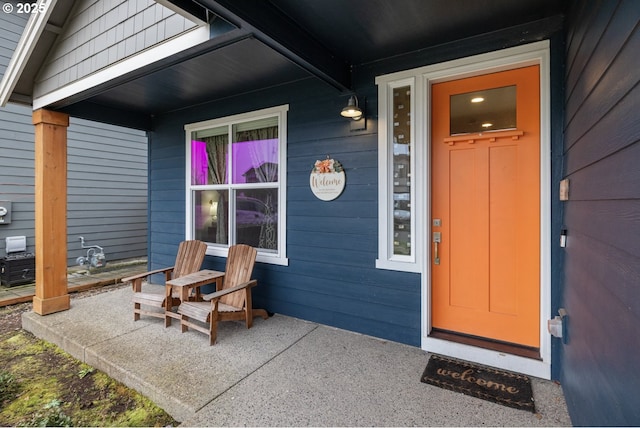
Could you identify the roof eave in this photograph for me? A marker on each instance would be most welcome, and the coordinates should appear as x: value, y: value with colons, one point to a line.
x: 30, y: 36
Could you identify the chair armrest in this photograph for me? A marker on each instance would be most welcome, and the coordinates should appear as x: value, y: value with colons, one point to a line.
x: 146, y: 274
x: 219, y: 294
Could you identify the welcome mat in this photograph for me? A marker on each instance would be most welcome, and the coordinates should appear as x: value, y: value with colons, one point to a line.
x: 509, y: 389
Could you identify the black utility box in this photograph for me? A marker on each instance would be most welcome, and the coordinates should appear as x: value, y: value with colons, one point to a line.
x: 17, y: 269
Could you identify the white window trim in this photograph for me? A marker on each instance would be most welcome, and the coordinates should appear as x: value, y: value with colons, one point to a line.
x: 280, y: 257
x: 520, y: 56
x: 386, y: 257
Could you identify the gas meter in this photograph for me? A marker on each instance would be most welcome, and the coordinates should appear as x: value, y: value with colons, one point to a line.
x: 95, y: 256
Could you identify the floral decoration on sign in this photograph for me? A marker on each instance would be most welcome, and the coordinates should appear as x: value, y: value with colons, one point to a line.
x: 326, y: 166
x: 327, y: 179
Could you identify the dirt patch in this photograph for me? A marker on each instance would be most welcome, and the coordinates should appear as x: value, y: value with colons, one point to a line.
x: 11, y: 317
x: 41, y: 385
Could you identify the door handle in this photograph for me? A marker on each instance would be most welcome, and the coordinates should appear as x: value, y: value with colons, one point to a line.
x: 437, y: 238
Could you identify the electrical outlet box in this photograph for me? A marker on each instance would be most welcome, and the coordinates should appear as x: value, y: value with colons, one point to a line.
x: 555, y: 326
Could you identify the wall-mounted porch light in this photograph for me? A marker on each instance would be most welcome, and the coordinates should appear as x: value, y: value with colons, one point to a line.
x: 353, y: 111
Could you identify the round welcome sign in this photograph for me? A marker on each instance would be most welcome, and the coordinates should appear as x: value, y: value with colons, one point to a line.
x: 327, y: 179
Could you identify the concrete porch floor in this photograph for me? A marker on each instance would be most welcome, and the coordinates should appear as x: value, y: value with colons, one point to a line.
x: 282, y: 372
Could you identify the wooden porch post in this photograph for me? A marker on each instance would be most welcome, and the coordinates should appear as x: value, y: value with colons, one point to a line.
x: 51, y: 211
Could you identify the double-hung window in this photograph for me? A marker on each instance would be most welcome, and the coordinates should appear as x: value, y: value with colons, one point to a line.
x: 236, y: 183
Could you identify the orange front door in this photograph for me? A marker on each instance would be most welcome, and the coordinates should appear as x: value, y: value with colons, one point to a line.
x: 486, y: 206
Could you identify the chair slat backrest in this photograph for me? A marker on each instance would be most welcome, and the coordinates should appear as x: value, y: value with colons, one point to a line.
x: 190, y: 257
x: 238, y: 270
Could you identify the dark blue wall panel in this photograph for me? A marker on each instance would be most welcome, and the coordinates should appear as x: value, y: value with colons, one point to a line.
x: 600, y: 371
x: 332, y: 246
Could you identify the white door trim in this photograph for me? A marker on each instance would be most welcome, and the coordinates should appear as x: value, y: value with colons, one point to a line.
x: 535, y: 53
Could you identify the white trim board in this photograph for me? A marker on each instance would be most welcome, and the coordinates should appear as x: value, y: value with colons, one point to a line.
x: 530, y: 54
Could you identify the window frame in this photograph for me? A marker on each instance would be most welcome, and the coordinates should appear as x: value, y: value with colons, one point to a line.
x: 387, y: 259
x: 221, y: 250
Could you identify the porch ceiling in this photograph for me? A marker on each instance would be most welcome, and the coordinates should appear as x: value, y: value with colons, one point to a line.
x: 244, y: 66
x: 278, y: 41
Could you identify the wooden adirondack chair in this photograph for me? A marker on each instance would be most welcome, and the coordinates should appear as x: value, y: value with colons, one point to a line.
x: 188, y: 260
x: 233, y: 302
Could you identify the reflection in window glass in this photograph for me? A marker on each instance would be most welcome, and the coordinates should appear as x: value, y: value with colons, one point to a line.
x: 257, y: 218
x: 209, y: 157
x: 486, y: 110
x: 402, y: 170
x: 255, y: 151
x: 211, y: 211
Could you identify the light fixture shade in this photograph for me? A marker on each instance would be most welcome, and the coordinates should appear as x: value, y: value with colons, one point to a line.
x: 352, y: 110
x: 213, y: 210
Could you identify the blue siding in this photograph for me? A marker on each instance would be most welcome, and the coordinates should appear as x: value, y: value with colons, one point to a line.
x: 332, y: 246
x: 601, y: 373
x: 557, y: 207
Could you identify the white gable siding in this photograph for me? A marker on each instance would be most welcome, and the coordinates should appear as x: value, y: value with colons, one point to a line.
x: 12, y: 27
x: 103, y: 32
